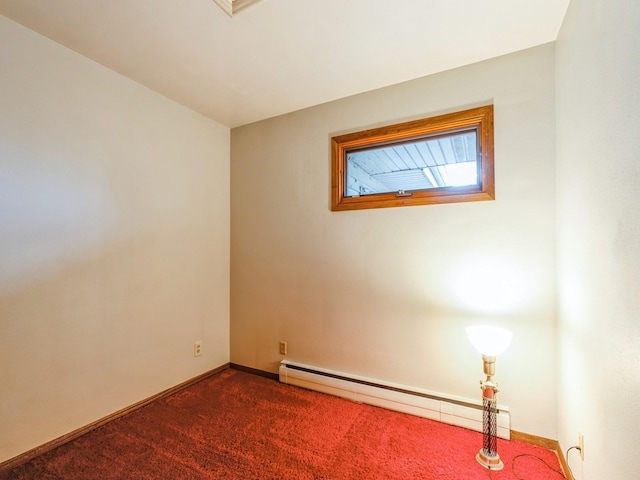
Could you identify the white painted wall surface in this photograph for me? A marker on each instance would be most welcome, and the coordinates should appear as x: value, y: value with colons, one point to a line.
x: 114, y: 241
x: 598, y: 183
x: 387, y: 293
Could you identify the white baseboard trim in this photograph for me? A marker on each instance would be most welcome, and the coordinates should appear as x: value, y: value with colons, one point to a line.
x: 449, y: 409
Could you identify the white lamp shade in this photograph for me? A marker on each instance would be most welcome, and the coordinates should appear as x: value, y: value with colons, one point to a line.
x: 490, y: 341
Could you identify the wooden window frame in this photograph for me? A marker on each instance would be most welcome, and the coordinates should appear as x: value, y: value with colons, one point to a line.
x: 480, y: 118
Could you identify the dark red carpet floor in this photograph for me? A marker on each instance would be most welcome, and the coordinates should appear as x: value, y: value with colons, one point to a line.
x: 235, y: 425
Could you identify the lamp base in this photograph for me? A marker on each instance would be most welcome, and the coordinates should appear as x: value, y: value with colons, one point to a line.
x: 489, y: 460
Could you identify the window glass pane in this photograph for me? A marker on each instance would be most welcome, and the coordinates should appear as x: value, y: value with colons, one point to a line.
x: 442, y: 159
x: 434, y: 162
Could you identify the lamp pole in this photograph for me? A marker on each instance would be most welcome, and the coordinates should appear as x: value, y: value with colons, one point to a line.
x: 490, y: 342
x: 488, y: 455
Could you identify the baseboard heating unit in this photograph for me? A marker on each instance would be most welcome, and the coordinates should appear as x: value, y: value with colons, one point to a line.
x: 444, y: 408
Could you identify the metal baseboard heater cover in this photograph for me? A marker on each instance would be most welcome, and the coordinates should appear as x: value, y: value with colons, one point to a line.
x: 458, y: 411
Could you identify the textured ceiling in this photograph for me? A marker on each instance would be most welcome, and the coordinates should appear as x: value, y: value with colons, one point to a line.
x: 278, y: 56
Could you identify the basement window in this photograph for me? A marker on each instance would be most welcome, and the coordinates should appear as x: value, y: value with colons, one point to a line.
x: 443, y: 159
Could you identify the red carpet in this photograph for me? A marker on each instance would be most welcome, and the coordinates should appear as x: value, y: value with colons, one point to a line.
x: 240, y: 426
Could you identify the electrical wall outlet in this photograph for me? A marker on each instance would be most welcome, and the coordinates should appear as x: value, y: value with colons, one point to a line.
x: 197, y: 348
x: 283, y: 348
x: 581, y: 445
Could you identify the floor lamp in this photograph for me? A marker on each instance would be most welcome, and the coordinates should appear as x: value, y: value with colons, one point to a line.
x: 490, y: 342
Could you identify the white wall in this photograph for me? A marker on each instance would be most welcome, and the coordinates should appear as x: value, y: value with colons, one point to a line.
x: 114, y: 241
x: 598, y: 113
x: 388, y: 293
